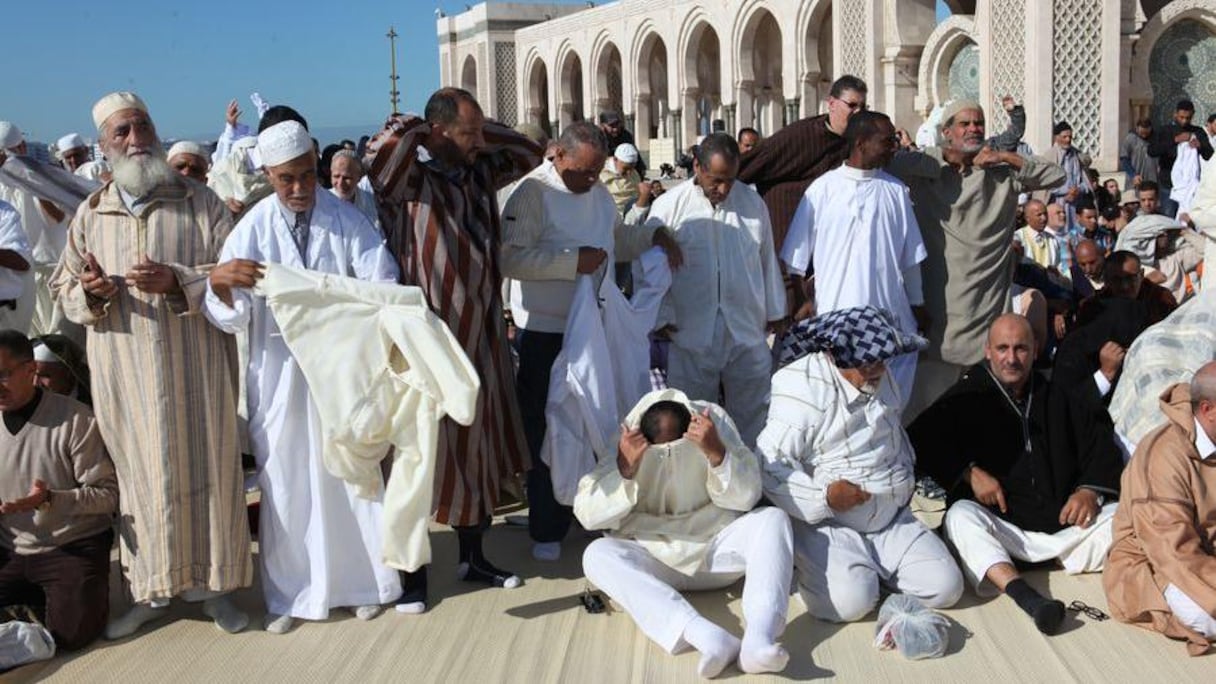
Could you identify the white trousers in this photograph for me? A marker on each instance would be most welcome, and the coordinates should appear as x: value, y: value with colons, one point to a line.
x: 1189, y: 613
x: 757, y: 545
x: 984, y: 540
x: 744, y: 372
x: 840, y: 569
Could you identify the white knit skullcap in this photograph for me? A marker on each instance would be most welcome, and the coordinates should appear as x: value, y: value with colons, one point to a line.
x: 283, y: 142
x: 70, y: 142
x: 116, y: 102
x: 626, y: 153
x: 187, y: 147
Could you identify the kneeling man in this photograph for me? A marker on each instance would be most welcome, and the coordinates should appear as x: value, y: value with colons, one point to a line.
x: 59, y: 496
x: 1027, y: 472
x: 674, y: 506
x: 1161, y: 567
x: 837, y: 460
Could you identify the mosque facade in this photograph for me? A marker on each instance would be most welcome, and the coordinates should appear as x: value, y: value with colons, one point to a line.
x: 675, y: 67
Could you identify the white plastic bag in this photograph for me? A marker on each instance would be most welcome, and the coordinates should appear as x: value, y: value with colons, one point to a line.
x: 24, y: 642
x: 906, y: 624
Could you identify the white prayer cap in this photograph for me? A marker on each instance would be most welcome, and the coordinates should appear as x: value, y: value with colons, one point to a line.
x: 10, y: 135
x: 953, y: 108
x: 43, y: 353
x: 187, y: 147
x: 70, y: 142
x: 283, y: 142
x: 116, y: 102
x: 626, y: 153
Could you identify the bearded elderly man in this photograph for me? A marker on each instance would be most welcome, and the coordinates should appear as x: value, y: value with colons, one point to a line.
x: 730, y: 296
x: 164, y: 379
x: 965, y: 196
x: 319, y: 542
x: 838, y: 462
x: 1028, y: 477
x: 559, y: 223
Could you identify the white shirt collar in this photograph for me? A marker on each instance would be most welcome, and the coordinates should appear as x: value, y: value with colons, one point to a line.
x: 1203, y: 443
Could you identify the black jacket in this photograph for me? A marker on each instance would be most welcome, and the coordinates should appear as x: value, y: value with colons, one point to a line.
x: 1165, y: 149
x: 976, y: 422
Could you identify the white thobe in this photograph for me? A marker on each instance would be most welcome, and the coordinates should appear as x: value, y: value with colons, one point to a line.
x: 46, y: 239
x: 822, y: 429
x: 722, y: 299
x: 1185, y: 177
x: 14, y: 283
x: 319, y: 542
x: 857, y: 228
x: 364, y: 201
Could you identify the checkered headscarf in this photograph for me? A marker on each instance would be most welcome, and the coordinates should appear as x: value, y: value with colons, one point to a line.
x: 856, y: 337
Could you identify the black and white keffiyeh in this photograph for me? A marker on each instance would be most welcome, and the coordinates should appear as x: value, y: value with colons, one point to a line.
x: 856, y: 337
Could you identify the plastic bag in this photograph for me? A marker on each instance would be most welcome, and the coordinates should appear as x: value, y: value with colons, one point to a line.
x: 24, y: 642
x: 905, y: 623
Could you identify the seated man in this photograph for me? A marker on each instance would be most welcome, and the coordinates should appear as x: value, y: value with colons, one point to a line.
x: 674, y: 506
x: 1000, y: 442
x: 59, y: 496
x: 837, y: 460
x: 1161, y: 562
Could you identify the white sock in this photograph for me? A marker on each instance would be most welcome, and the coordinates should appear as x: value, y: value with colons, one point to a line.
x: 226, y: 615
x: 278, y: 624
x: 412, y: 608
x: 129, y: 622
x: 366, y: 612
x: 718, y: 647
x: 547, y: 551
x: 759, y: 654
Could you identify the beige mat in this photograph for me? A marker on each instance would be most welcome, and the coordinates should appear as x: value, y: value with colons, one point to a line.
x: 540, y: 633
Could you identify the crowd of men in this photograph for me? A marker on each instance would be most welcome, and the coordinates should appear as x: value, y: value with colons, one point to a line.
x: 746, y: 373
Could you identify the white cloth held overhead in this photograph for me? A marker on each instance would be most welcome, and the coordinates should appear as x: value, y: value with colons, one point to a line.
x: 1184, y: 177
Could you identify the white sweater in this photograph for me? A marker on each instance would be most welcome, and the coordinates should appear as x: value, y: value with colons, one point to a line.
x: 544, y: 224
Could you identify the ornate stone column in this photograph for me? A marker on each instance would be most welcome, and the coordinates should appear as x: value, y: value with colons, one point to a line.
x: 728, y: 112
x: 677, y: 130
x: 791, y: 111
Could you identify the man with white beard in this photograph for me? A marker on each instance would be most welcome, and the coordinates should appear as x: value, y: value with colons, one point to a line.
x: 319, y: 542
x: 164, y: 381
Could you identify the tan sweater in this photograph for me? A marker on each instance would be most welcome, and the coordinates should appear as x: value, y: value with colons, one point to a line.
x: 61, y: 446
x: 1164, y: 526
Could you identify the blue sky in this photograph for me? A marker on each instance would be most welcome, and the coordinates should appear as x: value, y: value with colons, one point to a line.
x: 187, y: 59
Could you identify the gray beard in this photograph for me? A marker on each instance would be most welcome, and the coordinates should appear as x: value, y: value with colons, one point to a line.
x: 141, y: 175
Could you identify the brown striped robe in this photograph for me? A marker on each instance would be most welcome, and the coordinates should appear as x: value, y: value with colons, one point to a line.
x: 445, y: 234
x: 164, y: 390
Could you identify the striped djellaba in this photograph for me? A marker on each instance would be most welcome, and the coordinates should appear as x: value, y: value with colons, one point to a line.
x: 443, y: 227
x: 164, y: 389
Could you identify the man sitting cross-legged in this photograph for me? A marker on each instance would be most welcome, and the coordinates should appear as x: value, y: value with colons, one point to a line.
x: 674, y: 507
x: 1028, y: 474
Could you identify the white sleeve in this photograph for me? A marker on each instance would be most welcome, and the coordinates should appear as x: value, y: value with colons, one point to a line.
x: 799, y: 248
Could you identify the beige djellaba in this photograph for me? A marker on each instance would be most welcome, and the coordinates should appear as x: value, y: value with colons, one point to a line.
x: 164, y: 389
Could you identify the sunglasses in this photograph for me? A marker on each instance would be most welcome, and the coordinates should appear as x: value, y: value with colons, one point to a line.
x: 1090, y: 611
x: 592, y: 602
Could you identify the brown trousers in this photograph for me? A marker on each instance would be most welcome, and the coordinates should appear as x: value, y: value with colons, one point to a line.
x: 72, y: 582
